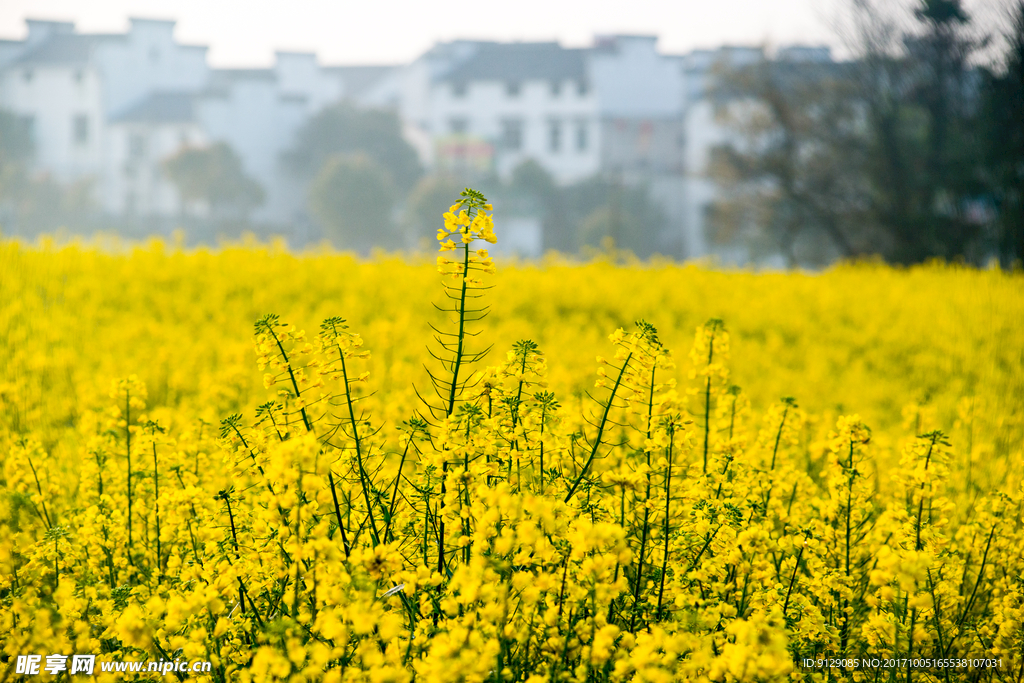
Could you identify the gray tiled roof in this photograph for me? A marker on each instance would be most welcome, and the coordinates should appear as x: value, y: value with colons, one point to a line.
x: 64, y: 48
x: 159, y: 107
x: 358, y: 79
x: 229, y: 75
x: 520, y: 62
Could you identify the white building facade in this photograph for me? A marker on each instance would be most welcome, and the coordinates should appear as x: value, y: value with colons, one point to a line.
x: 109, y: 109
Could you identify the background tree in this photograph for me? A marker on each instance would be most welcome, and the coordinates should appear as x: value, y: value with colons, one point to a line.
x: 797, y: 173
x: 343, y: 129
x: 586, y: 213
x: 353, y: 199
x: 532, y: 191
x: 33, y: 204
x: 603, y: 207
x: 213, y: 175
x: 921, y: 95
x: 16, y: 151
x: 882, y: 154
x: 428, y: 201
x: 946, y: 88
x: 1004, y: 138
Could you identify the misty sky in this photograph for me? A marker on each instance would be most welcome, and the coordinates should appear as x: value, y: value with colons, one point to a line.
x: 246, y: 32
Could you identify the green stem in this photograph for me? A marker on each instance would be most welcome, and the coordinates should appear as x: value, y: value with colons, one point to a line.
x: 364, y: 478
x: 668, y: 502
x: 600, y: 431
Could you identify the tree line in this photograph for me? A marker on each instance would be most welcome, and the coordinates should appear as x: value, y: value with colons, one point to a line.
x: 911, y: 150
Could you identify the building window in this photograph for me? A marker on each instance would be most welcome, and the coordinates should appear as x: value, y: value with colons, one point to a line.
x: 512, y: 88
x: 556, y: 88
x: 154, y: 55
x: 512, y: 134
x: 80, y: 129
x: 27, y: 75
x: 458, y: 90
x: 458, y: 126
x: 79, y: 76
x: 554, y: 136
x: 581, y: 136
x: 582, y: 88
x: 136, y: 146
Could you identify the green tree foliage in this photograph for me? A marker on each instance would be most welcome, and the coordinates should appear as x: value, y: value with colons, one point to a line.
x: 602, y: 208
x: 1004, y: 138
x: 944, y: 88
x: 529, y: 179
x: 343, y: 129
x: 16, y: 150
x: 883, y: 154
x: 586, y: 213
x: 798, y: 172
x: 429, y: 199
x: 31, y: 204
x: 353, y: 198
x: 213, y: 175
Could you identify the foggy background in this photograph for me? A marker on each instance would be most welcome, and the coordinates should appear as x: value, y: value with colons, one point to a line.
x: 781, y: 134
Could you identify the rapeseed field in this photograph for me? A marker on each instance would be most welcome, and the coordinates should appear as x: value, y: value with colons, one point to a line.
x: 312, y: 467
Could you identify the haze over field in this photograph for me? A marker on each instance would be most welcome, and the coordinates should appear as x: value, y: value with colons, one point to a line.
x: 748, y: 132
x: 369, y: 32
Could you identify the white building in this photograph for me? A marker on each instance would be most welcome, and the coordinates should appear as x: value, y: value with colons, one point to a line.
x: 521, y: 100
x: 620, y: 109
x: 109, y: 109
x: 52, y: 81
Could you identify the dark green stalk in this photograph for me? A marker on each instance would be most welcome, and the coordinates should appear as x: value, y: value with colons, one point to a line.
x: 337, y: 514
x: 792, y: 580
x: 394, y: 494
x: 775, y: 451
x: 707, y: 419
x: 465, y: 491
x: 128, y: 450
x: 234, y: 541
x: 920, y: 503
x: 543, y: 412
x: 364, y: 479
x: 42, y: 498
x: 910, y: 642
x: 844, y: 631
x: 156, y: 508
x: 668, y: 503
x: 981, y: 573
x: 291, y: 374
x: 600, y: 431
x: 456, y: 366
x: 647, y: 511
x: 252, y: 454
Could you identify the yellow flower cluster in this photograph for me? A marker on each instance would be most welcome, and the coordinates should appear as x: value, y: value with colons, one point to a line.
x: 417, y: 514
x: 468, y: 221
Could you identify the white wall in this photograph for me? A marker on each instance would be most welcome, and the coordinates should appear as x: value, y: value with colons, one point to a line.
x: 54, y: 96
x: 134, y: 182
x: 148, y: 60
x: 632, y: 80
x: 487, y: 104
x: 259, y: 124
x: 298, y: 73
